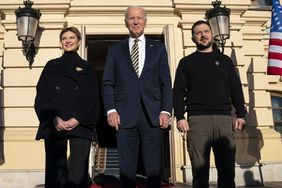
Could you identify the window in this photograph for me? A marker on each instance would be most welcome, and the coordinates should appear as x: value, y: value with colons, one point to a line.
x: 276, y: 101
x: 261, y: 4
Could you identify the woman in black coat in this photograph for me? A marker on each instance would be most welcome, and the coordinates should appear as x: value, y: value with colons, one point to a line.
x: 67, y: 106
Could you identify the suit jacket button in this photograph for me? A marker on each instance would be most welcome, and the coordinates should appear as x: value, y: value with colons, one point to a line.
x: 76, y: 87
x: 57, y: 87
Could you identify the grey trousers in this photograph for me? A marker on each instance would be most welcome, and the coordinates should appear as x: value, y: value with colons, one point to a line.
x: 211, y: 132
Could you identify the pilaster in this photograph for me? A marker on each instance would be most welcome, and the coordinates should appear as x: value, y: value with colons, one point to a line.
x: 253, y: 35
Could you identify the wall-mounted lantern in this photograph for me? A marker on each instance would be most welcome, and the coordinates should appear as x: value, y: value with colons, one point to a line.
x: 27, y: 24
x: 219, y: 20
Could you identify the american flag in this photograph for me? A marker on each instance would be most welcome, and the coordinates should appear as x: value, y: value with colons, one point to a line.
x: 275, y: 41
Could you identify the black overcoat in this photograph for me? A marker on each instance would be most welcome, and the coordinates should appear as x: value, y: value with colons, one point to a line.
x: 67, y: 88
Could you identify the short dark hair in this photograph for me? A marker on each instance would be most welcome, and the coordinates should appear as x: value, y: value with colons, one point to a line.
x: 71, y: 29
x: 199, y: 22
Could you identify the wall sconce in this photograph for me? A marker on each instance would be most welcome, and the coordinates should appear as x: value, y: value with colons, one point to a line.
x: 27, y: 24
x: 218, y: 18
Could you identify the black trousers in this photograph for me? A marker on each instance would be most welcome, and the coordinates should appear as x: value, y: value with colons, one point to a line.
x: 63, y: 172
x: 149, y: 138
x: 211, y: 132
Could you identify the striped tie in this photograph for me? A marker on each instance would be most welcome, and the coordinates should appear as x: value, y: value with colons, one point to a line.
x: 135, y: 56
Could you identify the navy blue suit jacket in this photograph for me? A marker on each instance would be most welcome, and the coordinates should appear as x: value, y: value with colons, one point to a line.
x: 123, y: 89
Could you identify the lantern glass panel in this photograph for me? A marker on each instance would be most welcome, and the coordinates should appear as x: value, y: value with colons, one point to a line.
x: 26, y: 28
x: 220, y: 27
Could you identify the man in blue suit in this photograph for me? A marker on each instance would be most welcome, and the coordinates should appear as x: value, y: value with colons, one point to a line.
x: 137, y: 97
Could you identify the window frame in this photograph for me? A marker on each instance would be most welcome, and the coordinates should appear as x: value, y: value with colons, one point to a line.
x: 277, y: 124
x: 256, y: 5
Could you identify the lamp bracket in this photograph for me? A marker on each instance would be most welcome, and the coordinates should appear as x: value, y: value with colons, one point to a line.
x: 29, y: 51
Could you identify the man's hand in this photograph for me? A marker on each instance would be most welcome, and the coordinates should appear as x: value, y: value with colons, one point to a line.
x: 114, y: 120
x: 183, y: 125
x: 239, y: 124
x: 164, y: 120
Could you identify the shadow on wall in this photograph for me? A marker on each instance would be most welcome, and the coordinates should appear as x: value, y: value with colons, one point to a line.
x: 250, y: 179
x: 233, y: 55
x: 36, y: 44
x: 249, y: 143
x: 40, y: 186
x: 2, y: 128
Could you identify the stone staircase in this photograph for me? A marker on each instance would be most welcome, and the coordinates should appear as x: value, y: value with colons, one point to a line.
x: 106, y: 162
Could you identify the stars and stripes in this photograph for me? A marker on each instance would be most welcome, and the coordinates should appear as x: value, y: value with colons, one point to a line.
x: 275, y: 41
